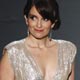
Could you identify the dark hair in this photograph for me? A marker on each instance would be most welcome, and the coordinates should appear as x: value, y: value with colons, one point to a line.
x: 47, y: 9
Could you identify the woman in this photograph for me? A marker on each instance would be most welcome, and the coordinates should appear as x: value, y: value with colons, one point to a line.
x: 38, y: 56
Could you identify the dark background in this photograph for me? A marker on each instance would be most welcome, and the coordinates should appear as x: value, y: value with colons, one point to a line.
x: 12, y: 25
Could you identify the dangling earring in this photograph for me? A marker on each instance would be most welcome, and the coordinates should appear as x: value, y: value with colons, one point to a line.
x: 27, y: 32
x: 51, y: 31
x: 50, y: 35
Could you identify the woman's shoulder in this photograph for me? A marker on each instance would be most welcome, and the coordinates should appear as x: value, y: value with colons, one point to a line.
x: 66, y: 43
x: 14, y: 44
x: 68, y: 48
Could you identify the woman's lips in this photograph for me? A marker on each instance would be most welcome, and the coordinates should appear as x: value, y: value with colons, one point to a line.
x: 39, y: 30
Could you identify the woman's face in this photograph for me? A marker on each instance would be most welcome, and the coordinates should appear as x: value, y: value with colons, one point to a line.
x: 37, y: 25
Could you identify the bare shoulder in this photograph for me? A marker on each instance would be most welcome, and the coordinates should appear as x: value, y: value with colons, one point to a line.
x: 6, y: 68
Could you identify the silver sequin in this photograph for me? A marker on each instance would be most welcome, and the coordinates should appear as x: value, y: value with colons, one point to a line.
x: 26, y: 69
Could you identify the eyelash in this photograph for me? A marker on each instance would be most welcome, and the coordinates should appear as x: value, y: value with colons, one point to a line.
x: 33, y: 18
x: 45, y: 19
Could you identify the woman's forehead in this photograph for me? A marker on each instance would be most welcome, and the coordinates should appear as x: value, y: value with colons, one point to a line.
x: 34, y: 11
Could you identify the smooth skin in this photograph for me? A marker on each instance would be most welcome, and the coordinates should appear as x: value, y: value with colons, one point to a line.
x: 37, y: 41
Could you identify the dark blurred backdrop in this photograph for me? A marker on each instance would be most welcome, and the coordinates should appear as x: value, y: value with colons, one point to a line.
x: 12, y: 25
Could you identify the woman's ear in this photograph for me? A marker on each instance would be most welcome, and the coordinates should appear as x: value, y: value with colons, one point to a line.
x: 52, y: 25
x: 26, y: 20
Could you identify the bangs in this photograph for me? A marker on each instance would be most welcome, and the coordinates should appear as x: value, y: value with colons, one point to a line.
x: 45, y: 10
x: 48, y: 9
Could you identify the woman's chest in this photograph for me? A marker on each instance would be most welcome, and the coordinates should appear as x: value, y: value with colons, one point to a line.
x: 33, y: 69
x: 46, y: 62
x: 47, y: 66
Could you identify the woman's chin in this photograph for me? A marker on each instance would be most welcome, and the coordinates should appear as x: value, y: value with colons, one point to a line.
x: 40, y: 37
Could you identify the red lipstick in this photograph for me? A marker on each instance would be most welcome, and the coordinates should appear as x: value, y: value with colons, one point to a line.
x: 39, y: 30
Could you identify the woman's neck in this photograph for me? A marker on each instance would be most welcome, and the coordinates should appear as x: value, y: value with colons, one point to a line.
x: 38, y: 43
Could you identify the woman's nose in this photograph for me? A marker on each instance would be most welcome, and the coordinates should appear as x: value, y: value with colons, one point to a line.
x: 39, y: 24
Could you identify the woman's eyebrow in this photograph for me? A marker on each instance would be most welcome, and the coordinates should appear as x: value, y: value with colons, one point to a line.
x: 32, y: 15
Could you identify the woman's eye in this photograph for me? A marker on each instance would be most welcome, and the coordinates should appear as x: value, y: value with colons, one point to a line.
x: 33, y: 17
x: 45, y: 19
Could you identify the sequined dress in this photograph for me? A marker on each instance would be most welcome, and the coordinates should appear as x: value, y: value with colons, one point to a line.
x: 25, y: 68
